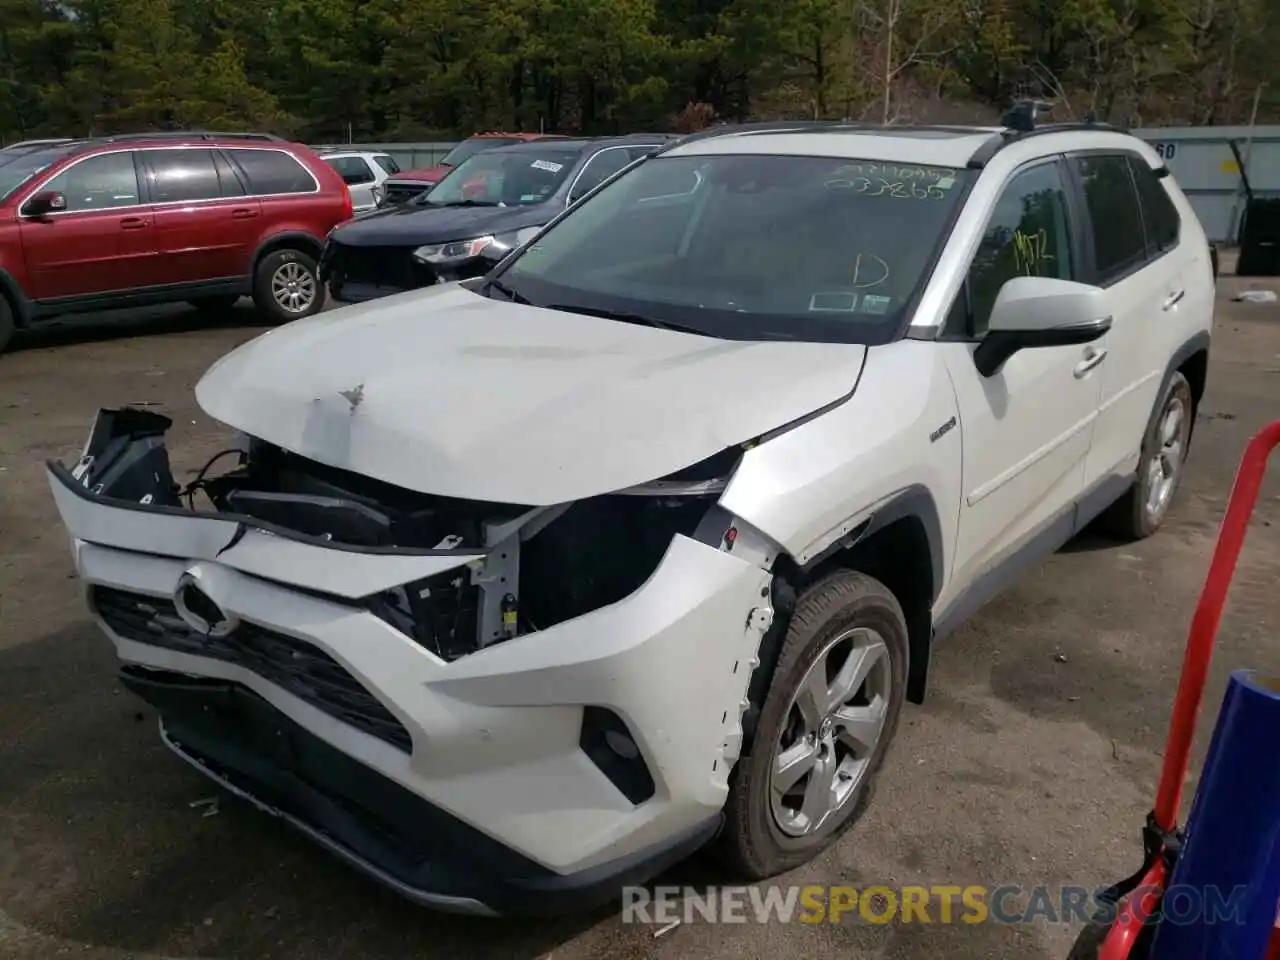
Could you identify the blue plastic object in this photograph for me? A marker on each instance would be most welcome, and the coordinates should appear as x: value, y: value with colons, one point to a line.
x: 1222, y: 899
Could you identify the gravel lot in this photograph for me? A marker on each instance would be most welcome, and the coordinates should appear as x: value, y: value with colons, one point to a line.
x: 1033, y: 761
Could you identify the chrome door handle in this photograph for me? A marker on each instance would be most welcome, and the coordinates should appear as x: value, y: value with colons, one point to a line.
x: 1173, y: 300
x: 1091, y: 359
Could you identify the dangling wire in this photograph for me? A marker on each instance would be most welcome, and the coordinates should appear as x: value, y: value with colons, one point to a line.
x: 198, y: 483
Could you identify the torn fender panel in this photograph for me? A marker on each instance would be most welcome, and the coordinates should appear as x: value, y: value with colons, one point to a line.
x: 463, y: 396
x: 811, y: 486
x: 190, y: 537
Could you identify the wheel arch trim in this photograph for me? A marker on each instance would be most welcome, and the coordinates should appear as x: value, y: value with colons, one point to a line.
x: 284, y: 240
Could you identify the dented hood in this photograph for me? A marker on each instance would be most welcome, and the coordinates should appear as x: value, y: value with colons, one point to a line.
x: 447, y: 392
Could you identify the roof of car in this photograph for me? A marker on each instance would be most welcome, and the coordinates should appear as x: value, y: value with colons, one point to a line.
x: 933, y: 146
x: 37, y: 156
x: 949, y: 146
x: 529, y: 137
x: 176, y: 138
x: 583, y: 143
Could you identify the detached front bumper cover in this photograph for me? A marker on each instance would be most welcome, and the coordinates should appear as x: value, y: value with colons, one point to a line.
x: 537, y: 770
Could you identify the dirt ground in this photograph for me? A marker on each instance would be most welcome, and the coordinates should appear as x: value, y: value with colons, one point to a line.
x: 1033, y: 760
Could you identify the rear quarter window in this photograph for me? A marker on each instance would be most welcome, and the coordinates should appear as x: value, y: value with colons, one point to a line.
x: 1159, y: 214
x: 272, y: 172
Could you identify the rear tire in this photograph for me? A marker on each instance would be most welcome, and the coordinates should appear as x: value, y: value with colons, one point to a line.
x: 286, y: 286
x: 7, y: 322
x: 824, y: 729
x: 214, y: 304
x: 1141, y: 511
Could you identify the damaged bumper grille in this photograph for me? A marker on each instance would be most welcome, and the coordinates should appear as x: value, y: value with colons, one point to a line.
x: 293, y: 665
x: 486, y: 658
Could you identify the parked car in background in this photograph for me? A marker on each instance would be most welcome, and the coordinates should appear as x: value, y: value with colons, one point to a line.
x: 410, y: 184
x: 134, y: 220
x: 365, y: 174
x: 488, y: 205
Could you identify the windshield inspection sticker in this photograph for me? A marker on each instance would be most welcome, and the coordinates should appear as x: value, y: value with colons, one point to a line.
x: 833, y: 302
x: 874, y: 304
x: 547, y: 165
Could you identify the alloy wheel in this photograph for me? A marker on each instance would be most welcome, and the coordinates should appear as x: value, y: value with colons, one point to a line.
x: 293, y: 287
x: 833, y: 726
x: 1164, y: 466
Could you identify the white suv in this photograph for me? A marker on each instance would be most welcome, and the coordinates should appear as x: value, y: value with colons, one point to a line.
x: 365, y: 175
x: 521, y: 589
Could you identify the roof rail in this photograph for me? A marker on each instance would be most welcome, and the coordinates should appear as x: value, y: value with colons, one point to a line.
x: 189, y: 135
x: 29, y: 144
x: 805, y: 126
x: 1020, y: 122
x: 753, y: 126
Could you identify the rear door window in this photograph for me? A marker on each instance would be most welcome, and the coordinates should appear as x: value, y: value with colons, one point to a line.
x: 272, y: 172
x: 1163, y: 223
x: 387, y: 163
x: 1119, y: 244
x: 182, y: 175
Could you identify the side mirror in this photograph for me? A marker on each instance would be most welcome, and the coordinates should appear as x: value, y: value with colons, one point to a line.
x: 1034, y: 312
x: 50, y: 201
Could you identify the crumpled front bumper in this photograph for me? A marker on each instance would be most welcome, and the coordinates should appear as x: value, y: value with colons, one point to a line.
x: 488, y: 749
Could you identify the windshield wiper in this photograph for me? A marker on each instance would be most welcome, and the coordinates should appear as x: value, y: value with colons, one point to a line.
x: 507, y: 292
x: 625, y: 317
x: 465, y: 203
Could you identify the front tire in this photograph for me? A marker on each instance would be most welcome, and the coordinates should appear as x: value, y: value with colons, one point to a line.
x: 1141, y: 511
x: 825, y: 727
x: 286, y: 286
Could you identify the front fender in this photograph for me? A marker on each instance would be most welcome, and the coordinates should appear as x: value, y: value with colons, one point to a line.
x: 891, y: 450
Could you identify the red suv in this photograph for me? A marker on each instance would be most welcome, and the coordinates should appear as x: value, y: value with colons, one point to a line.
x: 156, y: 218
x: 408, y: 184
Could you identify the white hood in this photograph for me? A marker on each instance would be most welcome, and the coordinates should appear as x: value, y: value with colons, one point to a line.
x: 447, y: 392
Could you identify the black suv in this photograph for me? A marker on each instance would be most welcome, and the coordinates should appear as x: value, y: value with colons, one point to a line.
x: 489, y: 204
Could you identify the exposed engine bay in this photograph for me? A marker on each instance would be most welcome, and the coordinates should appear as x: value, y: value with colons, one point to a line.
x: 526, y: 568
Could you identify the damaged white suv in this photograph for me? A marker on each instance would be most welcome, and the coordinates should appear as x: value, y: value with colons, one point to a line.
x: 521, y: 589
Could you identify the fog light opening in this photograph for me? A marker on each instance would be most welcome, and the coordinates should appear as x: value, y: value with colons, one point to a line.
x: 608, y: 743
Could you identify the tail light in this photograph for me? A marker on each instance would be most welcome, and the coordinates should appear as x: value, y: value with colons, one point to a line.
x: 349, y: 207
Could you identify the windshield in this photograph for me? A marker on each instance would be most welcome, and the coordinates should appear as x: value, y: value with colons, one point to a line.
x: 20, y: 166
x: 472, y: 146
x: 507, y: 178
x: 748, y: 247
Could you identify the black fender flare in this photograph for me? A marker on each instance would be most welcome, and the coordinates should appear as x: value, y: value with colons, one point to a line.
x: 1197, y: 343
x: 298, y: 239
x: 11, y: 290
x: 915, y: 502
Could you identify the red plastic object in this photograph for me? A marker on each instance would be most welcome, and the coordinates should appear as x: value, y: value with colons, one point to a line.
x: 1195, y: 668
